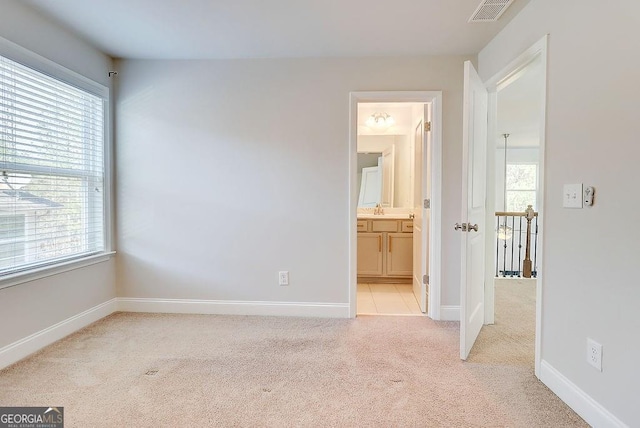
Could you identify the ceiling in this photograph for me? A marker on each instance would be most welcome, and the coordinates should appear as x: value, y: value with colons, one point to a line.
x: 520, y: 107
x: 403, y: 115
x: 198, y: 29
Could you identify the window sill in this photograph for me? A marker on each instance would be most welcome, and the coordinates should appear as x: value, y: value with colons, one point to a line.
x: 46, y: 271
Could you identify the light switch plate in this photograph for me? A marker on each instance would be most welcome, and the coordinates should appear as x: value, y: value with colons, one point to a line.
x: 572, y: 196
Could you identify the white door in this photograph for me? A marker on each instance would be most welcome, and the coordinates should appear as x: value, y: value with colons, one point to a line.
x: 472, y: 228
x: 370, y: 187
x: 388, y: 171
x: 421, y: 221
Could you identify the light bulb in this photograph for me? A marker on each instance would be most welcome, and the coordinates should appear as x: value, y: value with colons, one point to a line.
x: 380, y: 120
x: 371, y: 121
x: 505, y: 232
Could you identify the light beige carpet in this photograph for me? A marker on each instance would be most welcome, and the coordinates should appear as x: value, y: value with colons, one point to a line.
x: 149, y: 370
x: 511, y: 340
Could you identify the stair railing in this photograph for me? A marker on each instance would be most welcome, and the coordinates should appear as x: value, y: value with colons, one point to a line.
x: 508, y: 233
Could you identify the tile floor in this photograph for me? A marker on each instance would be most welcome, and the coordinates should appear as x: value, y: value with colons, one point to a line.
x: 386, y: 299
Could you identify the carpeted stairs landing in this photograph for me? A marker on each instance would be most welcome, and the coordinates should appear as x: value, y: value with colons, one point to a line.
x: 150, y: 370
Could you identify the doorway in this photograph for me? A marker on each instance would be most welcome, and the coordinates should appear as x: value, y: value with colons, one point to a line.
x: 517, y: 125
x: 395, y: 183
x: 515, y: 171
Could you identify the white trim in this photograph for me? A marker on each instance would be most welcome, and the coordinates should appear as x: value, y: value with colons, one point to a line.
x: 53, y: 269
x: 39, y: 63
x: 491, y: 196
x: 541, y: 207
x: 512, y: 70
x: 44, y: 65
x: 450, y: 313
x: 24, y: 347
x: 585, y: 406
x: 435, y: 244
x: 435, y: 237
x: 233, y: 307
x: 353, y: 206
x: 500, y: 80
x: 108, y: 166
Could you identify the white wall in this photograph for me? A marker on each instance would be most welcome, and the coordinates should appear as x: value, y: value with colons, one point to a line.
x: 29, y: 29
x: 590, y: 279
x: 402, y: 183
x: 375, y: 143
x: 30, y: 307
x: 220, y: 184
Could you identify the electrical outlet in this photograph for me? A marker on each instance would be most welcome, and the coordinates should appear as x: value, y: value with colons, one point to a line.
x: 283, y: 277
x: 594, y: 354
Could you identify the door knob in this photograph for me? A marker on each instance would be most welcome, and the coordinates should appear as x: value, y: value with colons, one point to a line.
x: 471, y: 227
x: 462, y: 227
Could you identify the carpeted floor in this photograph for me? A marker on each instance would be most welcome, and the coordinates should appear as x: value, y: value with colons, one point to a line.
x: 150, y: 370
x: 511, y: 340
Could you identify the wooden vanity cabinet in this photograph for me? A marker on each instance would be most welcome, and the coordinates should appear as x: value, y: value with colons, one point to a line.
x: 399, y: 254
x: 370, y: 254
x: 385, y: 249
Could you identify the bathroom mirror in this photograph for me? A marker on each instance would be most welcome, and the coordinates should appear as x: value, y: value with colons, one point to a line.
x: 369, y: 179
x: 384, y: 171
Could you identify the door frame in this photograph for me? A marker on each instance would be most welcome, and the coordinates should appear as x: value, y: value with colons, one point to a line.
x: 505, y: 76
x: 435, y: 241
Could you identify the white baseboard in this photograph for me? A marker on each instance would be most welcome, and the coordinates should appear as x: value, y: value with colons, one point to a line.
x: 230, y: 307
x: 449, y: 313
x: 585, y: 406
x: 20, y: 349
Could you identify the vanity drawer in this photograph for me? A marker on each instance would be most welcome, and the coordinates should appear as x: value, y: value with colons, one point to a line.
x: 407, y: 226
x: 363, y: 226
x: 384, y: 226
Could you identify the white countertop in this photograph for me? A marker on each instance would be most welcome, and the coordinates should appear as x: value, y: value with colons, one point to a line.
x: 384, y: 217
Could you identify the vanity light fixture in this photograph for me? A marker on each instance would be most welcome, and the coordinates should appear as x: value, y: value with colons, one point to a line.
x: 380, y: 120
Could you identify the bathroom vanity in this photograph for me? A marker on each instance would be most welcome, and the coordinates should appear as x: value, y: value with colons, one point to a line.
x: 385, y: 249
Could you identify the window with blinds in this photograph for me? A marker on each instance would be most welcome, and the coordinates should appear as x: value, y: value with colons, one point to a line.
x: 52, y: 204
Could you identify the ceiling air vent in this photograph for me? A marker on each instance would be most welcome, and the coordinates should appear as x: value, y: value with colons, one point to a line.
x: 490, y: 10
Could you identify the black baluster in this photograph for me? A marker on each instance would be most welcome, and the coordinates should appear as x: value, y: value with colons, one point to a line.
x: 504, y: 251
x: 520, y: 248
x: 513, y: 240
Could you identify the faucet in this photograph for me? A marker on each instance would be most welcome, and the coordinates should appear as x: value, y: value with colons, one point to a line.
x: 378, y: 210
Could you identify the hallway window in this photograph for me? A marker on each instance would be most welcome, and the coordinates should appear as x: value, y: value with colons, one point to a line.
x: 522, y: 185
x: 52, y: 172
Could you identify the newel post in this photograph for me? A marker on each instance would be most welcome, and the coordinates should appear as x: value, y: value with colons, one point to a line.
x: 526, y: 267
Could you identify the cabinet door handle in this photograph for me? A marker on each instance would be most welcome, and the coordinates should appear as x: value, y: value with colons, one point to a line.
x: 379, y: 243
x: 389, y: 243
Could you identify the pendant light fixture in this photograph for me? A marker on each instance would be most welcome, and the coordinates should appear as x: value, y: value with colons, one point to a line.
x: 504, y: 231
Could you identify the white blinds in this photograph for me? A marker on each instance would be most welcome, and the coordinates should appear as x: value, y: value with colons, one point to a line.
x: 51, y: 170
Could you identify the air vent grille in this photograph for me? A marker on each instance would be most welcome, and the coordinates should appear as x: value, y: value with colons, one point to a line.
x: 490, y: 10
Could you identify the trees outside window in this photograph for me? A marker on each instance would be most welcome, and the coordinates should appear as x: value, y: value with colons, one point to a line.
x: 521, y: 185
x: 52, y: 172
